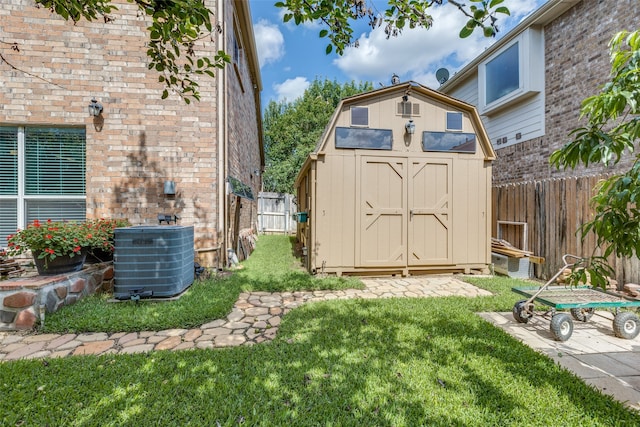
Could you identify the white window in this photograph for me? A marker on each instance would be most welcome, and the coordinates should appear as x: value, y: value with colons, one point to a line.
x: 454, y: 121
x: 513, y: 73
x: 42, y: 176
x: 359, y: 116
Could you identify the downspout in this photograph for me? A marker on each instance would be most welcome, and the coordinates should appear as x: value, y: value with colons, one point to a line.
x: 222, y: 143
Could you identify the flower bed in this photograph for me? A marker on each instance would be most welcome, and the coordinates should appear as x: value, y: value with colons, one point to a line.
x: 51, y: 240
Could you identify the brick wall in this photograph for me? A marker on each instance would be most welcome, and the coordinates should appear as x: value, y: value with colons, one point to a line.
x: 577, y: 65
x: 140, y: 140
x: 244, y: 152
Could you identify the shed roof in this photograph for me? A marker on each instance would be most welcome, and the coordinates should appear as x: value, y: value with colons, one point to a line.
x: 403, y: 88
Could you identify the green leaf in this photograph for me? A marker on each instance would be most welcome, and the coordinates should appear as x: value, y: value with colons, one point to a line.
x: 323, y: 33
x: 503, y: 10
x: 466, y: 32
x: 329, y: 49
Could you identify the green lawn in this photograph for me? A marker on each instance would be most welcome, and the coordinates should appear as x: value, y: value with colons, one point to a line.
x: 389, y: 362
x: 273, y: 268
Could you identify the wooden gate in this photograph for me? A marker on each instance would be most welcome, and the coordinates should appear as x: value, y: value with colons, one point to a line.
x: 404, y: 212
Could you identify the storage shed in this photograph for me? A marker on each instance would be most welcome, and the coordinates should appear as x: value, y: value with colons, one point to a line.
x: 399, y: 183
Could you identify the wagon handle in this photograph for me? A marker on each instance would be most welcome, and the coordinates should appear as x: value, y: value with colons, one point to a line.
x: 567, y: 264
x: 571, y: 264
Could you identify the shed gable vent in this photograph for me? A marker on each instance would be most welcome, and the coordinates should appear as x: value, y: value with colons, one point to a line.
x: 408, y: 109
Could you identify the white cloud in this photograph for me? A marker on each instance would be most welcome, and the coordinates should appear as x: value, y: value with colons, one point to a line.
x: 269, y: 42
x: 291, y: 89
x: 417, y: 54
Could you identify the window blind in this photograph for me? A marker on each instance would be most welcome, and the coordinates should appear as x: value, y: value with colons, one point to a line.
x: 55, y: 210
x: 8, y: 219
x: 8, y: 160
x: 55, y: 161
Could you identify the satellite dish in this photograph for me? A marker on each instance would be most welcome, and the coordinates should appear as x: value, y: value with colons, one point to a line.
x: 442, y: 75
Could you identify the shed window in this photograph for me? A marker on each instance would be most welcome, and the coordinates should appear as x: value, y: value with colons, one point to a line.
x: 454, y: 120
x: 372, y: 139
x: 449, y: 141
x: 359, y: 116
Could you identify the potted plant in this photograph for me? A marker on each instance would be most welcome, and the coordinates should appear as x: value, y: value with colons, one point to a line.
x: 102, y: 241
x: 56, y: 246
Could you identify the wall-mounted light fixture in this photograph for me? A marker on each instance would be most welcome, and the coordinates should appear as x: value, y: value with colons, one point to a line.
x: 169, y: 188
x: 410, y: 127
x: 95, y: 108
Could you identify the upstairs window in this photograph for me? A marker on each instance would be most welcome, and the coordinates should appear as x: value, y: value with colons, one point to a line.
x: 502, y: 74
x: 513, y: 73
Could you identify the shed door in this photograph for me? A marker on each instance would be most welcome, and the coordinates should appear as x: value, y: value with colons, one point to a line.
x: 429, y: 228
x: 382, y: 212
x: 404, y: 212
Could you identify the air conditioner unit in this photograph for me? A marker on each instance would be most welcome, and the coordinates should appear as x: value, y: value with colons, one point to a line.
x: 152, y: 261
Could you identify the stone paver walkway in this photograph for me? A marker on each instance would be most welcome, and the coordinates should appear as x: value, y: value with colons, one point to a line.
x: 593, y: 352
x: 255, y: 318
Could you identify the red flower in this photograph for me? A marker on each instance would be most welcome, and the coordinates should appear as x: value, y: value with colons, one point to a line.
x: 77, y: 249
x: 36, y: 223
x: 49, y: 221
x: 50, y: 251
x: 49, y: 236
x: 89, y: 236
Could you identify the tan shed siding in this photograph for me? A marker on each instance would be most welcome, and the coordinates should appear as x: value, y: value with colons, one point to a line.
x: 335, y: 211
x: 401, y: 210
x: 470, y: 212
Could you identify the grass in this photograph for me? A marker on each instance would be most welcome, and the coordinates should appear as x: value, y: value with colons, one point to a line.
x: 392, y: 362
x: 388, y: 362
x: 272, y: 268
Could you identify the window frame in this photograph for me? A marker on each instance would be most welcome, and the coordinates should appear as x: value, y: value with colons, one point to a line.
x: 22, y: 199
x: 444, y: 134
x: 357, y: 108
x: 453, y: 129
x: 530, y: 71
x: 388, y: 132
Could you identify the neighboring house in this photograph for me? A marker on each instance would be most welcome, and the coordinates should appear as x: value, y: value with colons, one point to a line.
x: 528, y: 88
x: 58, y: 162
x: 400, y: 182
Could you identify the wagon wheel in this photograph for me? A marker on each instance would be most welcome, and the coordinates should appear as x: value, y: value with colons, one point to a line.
x: 582, y: 314
x: 561, y: 326
x: 625, y: 325
x: 520, y: 312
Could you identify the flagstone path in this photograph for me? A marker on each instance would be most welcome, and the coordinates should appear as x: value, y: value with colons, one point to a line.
x: 255, y: 318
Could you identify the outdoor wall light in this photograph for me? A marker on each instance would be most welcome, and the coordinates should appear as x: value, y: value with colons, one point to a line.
x: 410, y: 127
x: 95, y: 108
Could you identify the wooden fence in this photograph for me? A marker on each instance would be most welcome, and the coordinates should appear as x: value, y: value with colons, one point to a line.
x: 275, y: 213
x: 553, y: 210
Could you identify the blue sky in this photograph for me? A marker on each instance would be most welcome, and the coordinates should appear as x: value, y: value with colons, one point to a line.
x: 291, y: 56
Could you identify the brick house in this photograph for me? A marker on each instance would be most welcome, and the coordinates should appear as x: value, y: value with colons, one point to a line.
x: 57, y: 161
x: 528, y: 88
